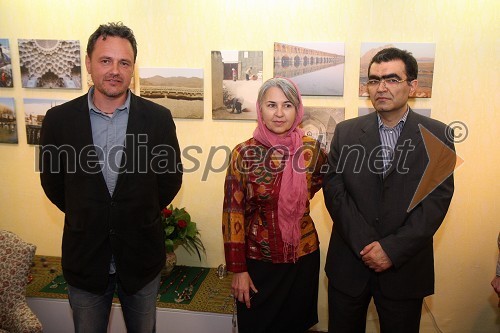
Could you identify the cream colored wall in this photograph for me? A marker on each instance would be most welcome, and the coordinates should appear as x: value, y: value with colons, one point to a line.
x: 182, y: 34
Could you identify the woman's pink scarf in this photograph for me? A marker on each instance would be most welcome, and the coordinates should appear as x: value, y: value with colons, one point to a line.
x: 293, y: 191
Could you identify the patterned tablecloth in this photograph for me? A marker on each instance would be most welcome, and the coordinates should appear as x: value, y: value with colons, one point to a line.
x: 187, y: 288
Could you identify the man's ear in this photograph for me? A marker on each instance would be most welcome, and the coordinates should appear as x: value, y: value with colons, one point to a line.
x: 88, y: 64
x: 413, y: 87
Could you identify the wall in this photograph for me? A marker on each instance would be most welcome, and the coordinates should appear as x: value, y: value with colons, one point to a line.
x: 182, y: 34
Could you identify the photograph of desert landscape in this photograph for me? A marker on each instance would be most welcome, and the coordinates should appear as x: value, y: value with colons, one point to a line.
x: 178, y: 89
x: 423, y: 52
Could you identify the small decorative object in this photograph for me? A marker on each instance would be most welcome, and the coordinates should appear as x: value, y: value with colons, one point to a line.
x: 188, y: 291
x: 221, y: 271
x: 181, y: 230
x: 170, y: 263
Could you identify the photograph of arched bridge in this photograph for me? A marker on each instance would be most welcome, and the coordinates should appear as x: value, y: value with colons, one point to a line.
x: 317, y: 68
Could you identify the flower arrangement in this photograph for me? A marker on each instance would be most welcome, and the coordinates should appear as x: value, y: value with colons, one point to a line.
x: 181, y: 230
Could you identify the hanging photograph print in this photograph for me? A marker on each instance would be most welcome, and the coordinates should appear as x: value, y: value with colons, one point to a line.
x: 424, y: 53
x: 236, y: 80
x: 8, y: 121
x: 5, y: 65
x: 316, y: 68
x: 319, y: 123
x: 50, y: 64
x: 178, y: 89
x: 34, y: 113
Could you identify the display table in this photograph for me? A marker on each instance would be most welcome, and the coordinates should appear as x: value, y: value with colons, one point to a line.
x: 205, y: 307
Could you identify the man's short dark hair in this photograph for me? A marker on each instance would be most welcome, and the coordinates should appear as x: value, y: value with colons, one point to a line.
x: 113, y: 29
x: 392, y: 53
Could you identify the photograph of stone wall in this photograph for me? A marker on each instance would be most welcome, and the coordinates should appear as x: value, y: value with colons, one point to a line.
x: 236, y: 79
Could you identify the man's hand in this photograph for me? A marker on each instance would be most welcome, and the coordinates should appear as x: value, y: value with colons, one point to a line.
x: 375, y: 257
x: 240, y: 287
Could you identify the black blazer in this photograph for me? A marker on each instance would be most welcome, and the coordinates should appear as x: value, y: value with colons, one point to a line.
x: 126, y: 225
x: 367, y: 207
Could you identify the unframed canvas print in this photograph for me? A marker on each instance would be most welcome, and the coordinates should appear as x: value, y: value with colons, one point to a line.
x: 317, y: 68
x: 178, y: 89
x: 424, y: 53
x: 50, y: 63
x: 236, y: 79
x: 8, y: 121
x: 319, y: 123
x: 34, y: 112
x: 5, y: 65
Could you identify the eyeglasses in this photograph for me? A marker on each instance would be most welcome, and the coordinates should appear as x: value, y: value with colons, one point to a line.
x: 389, y: 82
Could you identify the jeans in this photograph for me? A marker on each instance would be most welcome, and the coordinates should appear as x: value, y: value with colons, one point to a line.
x: 91, y: 311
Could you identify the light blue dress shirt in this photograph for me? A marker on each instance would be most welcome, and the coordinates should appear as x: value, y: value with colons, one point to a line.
x: 108, y: 134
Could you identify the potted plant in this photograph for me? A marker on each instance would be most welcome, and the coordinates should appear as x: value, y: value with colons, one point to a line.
x: 180, y: 230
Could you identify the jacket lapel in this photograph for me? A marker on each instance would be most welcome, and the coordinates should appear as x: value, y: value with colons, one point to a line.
x: 370, y: 140
x: 82, y: 122
x: 135, y: 126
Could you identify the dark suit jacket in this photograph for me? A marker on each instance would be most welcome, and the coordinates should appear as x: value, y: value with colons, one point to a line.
x: 367, y: 207
x: 126, y: 225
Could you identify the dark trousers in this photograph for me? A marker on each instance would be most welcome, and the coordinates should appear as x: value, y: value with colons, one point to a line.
x: 347, y: 314
x: 287, y: 298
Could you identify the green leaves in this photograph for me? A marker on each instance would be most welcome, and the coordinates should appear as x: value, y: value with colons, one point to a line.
x: 181, y: 230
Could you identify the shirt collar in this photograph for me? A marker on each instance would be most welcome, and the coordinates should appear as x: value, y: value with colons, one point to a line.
x: 125, y: 107
x: 400, y: 123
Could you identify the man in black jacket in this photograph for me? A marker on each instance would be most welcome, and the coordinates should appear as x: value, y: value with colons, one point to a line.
x: 110, y: 160
x: 381, y: 245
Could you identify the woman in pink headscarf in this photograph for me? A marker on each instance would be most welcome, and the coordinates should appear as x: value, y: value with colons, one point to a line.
x: 270, y: 241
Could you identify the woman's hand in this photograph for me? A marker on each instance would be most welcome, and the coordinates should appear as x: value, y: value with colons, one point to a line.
x: 241, y: 286
x: 495, y: 283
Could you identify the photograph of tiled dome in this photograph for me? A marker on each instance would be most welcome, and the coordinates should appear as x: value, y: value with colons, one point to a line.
x: 50, y: 64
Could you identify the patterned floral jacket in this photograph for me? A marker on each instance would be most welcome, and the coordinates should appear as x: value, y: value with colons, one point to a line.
x: 250, y: 215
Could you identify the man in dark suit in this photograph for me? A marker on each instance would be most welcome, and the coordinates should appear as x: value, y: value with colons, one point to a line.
x: 110, y: 161
x: 380, y: 247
